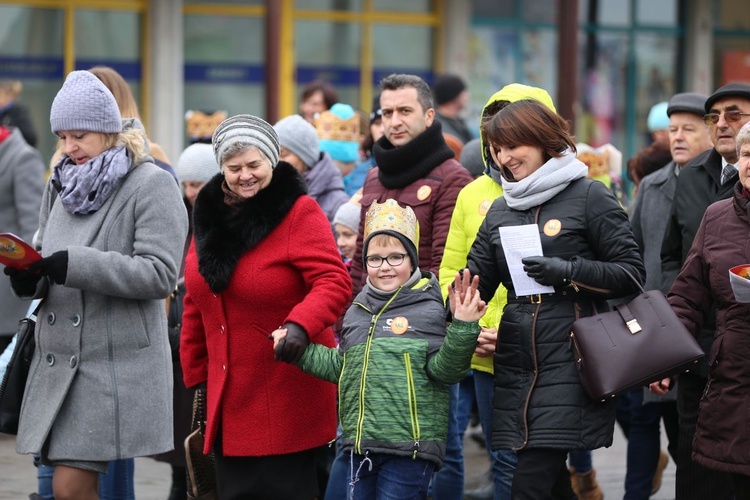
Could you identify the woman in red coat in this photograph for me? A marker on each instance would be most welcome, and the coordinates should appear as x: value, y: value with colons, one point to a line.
x: 263, y: 255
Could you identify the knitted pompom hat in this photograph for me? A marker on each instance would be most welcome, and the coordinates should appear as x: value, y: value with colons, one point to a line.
x: 338, y: 133
x: 84, y: 103
x: 246, y: 129
x: 197, y: 164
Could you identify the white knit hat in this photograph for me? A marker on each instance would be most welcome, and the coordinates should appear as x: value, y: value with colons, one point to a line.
x: 84, y: 103
x: 197, y: 164
x: 247, y: 129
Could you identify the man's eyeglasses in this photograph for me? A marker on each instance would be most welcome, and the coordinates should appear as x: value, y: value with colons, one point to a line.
x: 395, y: 259
x: 733, y: 115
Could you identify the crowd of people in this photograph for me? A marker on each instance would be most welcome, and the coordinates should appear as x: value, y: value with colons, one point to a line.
x: 341, y: 287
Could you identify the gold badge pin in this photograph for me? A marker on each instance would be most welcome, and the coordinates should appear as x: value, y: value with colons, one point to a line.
x: 484, y: 207
x: 424, y: 192
x: 552, y: 227
x: 399, y: 325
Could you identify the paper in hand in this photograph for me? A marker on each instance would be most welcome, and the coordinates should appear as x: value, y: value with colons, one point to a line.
x: 16, y: 253
x: 520, y: 242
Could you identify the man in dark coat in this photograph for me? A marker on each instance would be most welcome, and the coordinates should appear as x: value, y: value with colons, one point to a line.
x: 707, y: 178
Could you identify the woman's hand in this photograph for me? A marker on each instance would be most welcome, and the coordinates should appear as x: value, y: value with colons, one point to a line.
x: 291, y: 347
x: 486, y: 342
x: 548, y: 271
x: 22, y: 281
x: 276, y: 336
x: 660, y: 387
x: 466, y: 305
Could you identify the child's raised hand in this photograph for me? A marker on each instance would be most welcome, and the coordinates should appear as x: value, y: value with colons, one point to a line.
x: 466, y: 305
x: 277, y: 335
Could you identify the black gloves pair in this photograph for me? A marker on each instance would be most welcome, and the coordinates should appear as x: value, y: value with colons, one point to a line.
x: 24, y: 281
x: 292, y: 347
x: 548, y: 271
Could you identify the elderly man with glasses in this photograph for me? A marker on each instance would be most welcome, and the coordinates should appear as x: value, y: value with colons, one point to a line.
x: 707, y: 178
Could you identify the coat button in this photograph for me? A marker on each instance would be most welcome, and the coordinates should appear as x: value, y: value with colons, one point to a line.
x: 76, y: 320
x: 224, y: 367
x: 222, y: 328
x: 50, y: 359
x: 73, y: 361
x: 51, y: 318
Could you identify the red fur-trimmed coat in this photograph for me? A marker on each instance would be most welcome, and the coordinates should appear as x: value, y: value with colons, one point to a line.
x: 249, y: 270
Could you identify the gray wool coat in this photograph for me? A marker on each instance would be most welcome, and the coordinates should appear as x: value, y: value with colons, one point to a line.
x: 100, y: 383
x: 21, y: 185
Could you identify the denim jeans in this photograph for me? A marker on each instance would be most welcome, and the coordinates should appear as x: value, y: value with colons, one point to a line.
x: 448, y: 483
x: 503, y: 461
x: 580, y: 460
x: 117, y: 484
x: 389, y: 477
x: 338, y: 479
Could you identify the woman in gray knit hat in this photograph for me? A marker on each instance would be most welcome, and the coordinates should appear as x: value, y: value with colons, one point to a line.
x: 263, y: 255
x: 110, y: 228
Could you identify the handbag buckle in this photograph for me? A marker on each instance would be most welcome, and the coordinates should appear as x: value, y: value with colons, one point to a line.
x: 633, y: 326
x: 536, y: 298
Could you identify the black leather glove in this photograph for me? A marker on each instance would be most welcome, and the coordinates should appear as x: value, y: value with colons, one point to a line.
x: 55, y: 266
x: 23, y: 281
x: 292, y: 347
x: 548, y: 271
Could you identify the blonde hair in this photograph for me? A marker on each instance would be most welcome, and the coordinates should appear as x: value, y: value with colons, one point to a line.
x: 120, y: 90
x: 133, y: 139
x: 11, y: 87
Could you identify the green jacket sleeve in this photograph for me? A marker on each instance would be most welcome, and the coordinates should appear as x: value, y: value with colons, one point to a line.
x: 452, y: 362
x: 322, y: 362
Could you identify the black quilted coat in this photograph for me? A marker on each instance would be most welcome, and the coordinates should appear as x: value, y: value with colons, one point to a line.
x: 538, y: 399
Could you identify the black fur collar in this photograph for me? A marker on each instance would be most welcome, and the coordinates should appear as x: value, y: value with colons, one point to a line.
x: 223, y: 233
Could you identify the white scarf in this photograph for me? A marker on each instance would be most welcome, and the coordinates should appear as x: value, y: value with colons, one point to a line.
x: 543, y: 184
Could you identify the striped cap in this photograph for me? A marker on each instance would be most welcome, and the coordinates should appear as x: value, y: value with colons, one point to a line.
x: 246, y: 129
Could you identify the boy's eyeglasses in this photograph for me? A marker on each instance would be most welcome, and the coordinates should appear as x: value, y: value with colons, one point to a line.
x: 733, y: 115
x: 395, y: 259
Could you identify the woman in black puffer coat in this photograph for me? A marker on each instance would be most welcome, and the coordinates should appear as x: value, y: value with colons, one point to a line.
x: 540, y: 409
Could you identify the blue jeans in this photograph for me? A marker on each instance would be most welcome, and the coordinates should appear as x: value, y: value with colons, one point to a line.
x: 388, y: 477
x: 503, y: 461
x: 643, y: 443
x: 448, y: 484
x: 117, y: 484
x: 580, y: 460
x: 338, y: 479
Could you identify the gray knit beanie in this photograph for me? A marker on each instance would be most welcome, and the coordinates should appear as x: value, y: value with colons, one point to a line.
x: 84, y: 103
x: 298, y: 136
x: 471, y: 157
x: 197, y: 164
x: 348, y: 215
x: 247, y: 129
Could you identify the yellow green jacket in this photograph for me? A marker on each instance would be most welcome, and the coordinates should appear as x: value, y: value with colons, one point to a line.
x: 471, y: 206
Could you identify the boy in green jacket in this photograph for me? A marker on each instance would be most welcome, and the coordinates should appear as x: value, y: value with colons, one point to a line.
x: 396, y: 360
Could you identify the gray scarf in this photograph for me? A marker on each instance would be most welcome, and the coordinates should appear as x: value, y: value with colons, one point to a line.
x: 83, y: 189
x: 543, y: 184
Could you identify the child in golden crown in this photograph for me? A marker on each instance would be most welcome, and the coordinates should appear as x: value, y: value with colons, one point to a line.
x: 396, y: 360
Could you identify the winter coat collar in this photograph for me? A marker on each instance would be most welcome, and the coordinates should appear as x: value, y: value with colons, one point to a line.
x: 323, y: 177
x: 223, y: 233
x: 741, y: 203
x: 399, y: 167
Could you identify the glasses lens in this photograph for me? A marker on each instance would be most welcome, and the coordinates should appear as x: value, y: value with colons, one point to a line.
x: 711, y: 118
x: 375, y: 261
x: 396, y: 259
x: 733, y: 116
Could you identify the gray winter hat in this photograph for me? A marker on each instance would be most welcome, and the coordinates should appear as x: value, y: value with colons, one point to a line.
x: 348, y: 215
x: 197, y: 164
x: 471, y: 157
x: 248, y: 129
x: 687, y: 102
x: 298, y: 136
x: 84, y: 103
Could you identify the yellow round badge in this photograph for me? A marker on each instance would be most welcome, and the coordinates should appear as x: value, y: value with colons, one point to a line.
x: 552, y: 227
x: 484, y: 207
x: 424, y: 192
x: 399, y: 325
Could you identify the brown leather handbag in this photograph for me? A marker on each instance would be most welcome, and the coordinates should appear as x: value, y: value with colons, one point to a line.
x: 201, y: 469
x: 635, y: 344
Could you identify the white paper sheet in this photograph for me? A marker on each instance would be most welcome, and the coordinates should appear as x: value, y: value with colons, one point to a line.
x: 519, y: 242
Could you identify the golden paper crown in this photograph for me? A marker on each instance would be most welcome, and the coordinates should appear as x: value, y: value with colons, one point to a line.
x: 331, y: 127
x: 390, y: 216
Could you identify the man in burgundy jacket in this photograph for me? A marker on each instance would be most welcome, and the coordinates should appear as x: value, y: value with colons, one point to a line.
x: 415, y: 167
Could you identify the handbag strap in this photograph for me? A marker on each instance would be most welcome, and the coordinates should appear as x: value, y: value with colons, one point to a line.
x: 632, y: 278
x: 34, y: 313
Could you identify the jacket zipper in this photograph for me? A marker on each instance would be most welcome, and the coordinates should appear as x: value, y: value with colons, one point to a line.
x: 362, y: 384
x: 533, y: 382
x: 413, y: 413
x: 576, y: 285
